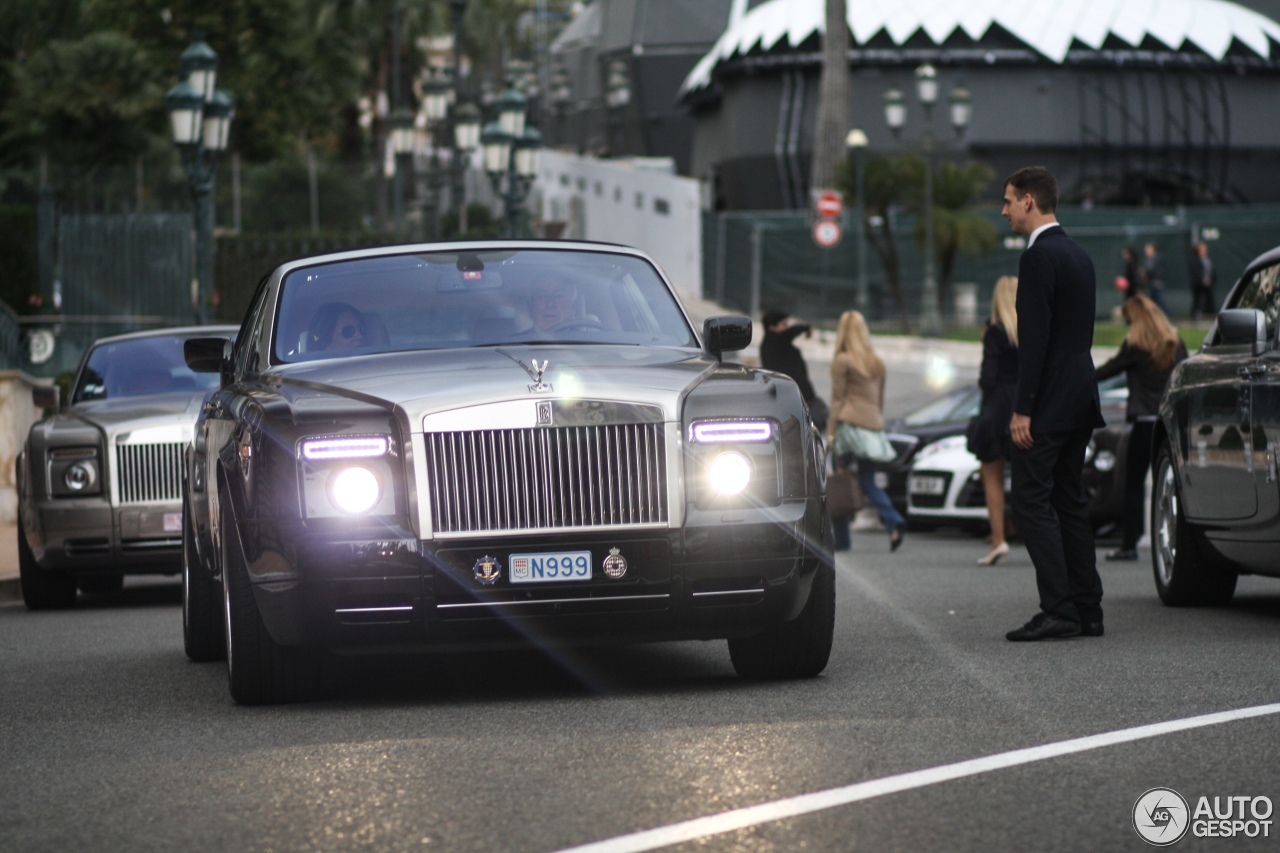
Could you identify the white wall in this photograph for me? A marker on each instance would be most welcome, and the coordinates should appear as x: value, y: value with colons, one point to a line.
x: 624, y: 202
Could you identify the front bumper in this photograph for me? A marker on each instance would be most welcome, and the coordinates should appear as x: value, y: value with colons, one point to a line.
x: 88, y: 535
x: 733, y: 578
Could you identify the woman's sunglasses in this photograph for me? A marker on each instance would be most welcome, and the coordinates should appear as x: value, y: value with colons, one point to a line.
x: 349, y: 331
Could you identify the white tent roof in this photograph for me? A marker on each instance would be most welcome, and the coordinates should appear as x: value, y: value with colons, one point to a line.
x: 1048, y: 27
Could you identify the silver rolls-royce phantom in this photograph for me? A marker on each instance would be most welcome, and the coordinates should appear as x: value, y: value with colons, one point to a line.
x: 100, y: 481
x: 481, y: 444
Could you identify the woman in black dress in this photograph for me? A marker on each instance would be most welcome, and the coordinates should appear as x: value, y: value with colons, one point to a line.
x: 1147, y: 357
x: 989, y: 438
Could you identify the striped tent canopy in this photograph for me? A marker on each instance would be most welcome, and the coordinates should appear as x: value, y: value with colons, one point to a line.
x: 1049, y: 28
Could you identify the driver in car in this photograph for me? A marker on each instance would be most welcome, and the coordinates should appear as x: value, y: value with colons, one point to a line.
x: 336, y: 326
x: 551, y: 303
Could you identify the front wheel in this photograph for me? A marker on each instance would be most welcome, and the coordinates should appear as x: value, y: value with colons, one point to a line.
x: 260, y: 671
x: 201, y: 610
x: 1183, y: 578
x: 42, y: 589
x: 796, y: 649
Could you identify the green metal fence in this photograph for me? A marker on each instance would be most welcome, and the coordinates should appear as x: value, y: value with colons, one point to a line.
x: 758, y: 260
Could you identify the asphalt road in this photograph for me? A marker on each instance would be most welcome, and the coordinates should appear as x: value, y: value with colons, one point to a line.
x: 111, y: 740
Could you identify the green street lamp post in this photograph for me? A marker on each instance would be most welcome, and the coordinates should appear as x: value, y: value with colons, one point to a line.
x: 857, y: 142
x: 200, y: 117
x: 895, y: 114
x: 511, y: 153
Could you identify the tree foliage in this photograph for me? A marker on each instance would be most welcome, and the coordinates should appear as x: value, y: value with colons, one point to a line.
x: 892, y: 181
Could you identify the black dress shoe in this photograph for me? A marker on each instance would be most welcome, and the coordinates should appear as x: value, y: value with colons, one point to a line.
x: 1123, y: 554
x: 1044, y: 627
x: 1091, y: 629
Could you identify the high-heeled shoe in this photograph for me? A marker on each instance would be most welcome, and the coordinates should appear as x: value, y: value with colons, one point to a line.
x: 994, y: 555
x: 896, y: 536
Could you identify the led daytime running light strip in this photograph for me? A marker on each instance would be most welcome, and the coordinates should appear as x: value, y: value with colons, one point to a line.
x: 732, y: 431
x: 344, y: 448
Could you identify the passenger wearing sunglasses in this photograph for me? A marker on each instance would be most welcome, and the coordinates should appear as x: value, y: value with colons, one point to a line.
x: 336, y: 326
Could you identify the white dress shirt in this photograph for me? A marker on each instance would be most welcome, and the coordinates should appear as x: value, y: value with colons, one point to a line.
x: 1031, y: 241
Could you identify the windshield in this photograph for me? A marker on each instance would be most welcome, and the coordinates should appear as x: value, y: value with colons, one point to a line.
x: 140, y: 366
x: 958, y: 405
x: 466, y: 299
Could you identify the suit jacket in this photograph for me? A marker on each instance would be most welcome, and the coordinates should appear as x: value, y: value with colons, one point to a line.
x: 998, y: 378
x: 1057, y: 294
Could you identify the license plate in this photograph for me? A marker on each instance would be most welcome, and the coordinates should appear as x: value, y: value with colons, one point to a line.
x: 551, y: 566
x: 173, y: 522
x: 927, y: 485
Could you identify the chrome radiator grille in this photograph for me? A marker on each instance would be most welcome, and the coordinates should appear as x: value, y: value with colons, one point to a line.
x: 547, y: 478
x: 149, y: 472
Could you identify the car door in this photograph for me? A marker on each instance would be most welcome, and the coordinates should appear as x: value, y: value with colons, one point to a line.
x: 1263, y: 376
x: 1218, y: 473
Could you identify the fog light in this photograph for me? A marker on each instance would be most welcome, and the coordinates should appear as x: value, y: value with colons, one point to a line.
x: 355, y: 490
x: 80, y: 476
x: 1105, y: 460
x: 729, y: 473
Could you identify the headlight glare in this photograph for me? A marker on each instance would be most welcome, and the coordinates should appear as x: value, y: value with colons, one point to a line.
x: 1105, y: 460
x: 355, y: 490
x: 729, y: 473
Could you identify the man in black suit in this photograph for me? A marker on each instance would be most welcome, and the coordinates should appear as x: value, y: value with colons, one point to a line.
x: 1055, y: 411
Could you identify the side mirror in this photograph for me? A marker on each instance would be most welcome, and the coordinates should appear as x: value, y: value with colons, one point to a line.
x: 1238, y: 326
x: 47, y: 397
x: 207, y: 355
x: 726, y: 334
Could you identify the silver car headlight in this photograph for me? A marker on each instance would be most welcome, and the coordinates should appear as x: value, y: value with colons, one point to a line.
x: 74, y: 472
x: 736, y: 460
x: 729, y: 473
x: 1104, y: 460
x: 347, y: 475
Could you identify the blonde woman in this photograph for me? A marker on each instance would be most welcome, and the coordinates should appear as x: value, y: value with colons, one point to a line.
x: 988, y: 435
x: 1147, y: 357
x: 856, y: 426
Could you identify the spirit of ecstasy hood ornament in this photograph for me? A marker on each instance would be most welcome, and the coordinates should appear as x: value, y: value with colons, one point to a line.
x: 535, y: 372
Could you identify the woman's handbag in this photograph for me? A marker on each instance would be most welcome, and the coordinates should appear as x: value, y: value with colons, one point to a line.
x: 844, y: 497
x: 864, y: 443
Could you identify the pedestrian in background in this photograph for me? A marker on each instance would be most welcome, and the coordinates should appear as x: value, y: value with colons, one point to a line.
x: 1132, y: 272
x: 1202, y: 282
x: 1153, y: 277
x: 1056, y: 409
x: 1146, y: 357
x: 856, y: 427
x: 779, y: 352
x: 988, y: 433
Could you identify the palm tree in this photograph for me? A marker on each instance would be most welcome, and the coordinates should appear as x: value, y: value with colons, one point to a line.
x: 887, y: 183
x: 833, y: 97
x: 957, y: 225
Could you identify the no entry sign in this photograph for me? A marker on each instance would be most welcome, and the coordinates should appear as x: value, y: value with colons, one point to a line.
x: 829, y: 204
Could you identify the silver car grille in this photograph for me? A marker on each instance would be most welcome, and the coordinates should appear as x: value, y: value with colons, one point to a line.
x: 547, y: 478
x: 149, y: 472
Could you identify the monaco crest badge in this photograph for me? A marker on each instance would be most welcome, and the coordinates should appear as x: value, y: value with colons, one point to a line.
x: 615, y: 565
x: 488, y: 570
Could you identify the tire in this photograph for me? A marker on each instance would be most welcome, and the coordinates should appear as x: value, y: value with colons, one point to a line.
x: 201, y: 603
x: 1183, y: 578
x: 260, y: 671
x: 100, y: 584
x: 42, y: 589
x: 796, y: 649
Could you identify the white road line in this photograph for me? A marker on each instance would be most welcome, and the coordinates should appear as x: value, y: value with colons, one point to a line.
x: 689, y: 830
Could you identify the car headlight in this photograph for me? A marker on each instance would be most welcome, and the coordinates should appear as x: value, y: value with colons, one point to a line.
x: 73, y: 472
x: 941, y: 446
x: 729, y: 473
x: 721, y: 432
x: 354, y: 490
x: 80, y: 476
x: 1105, y: 460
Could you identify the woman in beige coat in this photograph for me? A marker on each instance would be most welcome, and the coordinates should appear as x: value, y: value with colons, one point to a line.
x: 857, y: 399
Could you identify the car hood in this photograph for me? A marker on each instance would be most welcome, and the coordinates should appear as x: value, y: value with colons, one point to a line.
x: 425, y: 382
x: 152, y: 418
